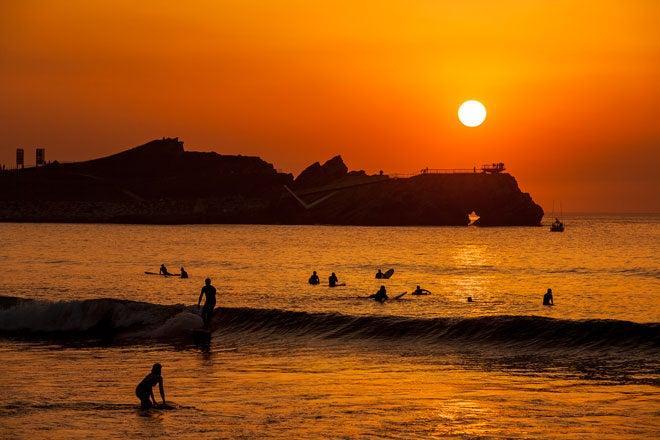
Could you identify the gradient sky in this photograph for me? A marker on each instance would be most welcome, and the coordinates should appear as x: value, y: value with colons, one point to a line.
x: 571, y: 88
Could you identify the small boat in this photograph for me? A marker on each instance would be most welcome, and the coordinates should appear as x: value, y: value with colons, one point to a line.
x: 557, y: 225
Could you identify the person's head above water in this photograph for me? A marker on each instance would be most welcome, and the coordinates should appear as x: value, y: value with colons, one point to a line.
x: 156, y: 368
x: 207, y: 281
x: 418, y: 288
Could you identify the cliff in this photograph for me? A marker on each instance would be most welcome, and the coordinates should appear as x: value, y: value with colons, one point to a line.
x: 161, y: 182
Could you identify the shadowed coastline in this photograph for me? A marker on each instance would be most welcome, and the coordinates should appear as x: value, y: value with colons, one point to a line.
x: 161, y: 183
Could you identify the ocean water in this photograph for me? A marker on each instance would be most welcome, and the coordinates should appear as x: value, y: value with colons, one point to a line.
x: 81, y: 324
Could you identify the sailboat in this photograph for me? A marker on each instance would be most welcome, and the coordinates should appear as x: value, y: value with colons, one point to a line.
x: 557, y: 225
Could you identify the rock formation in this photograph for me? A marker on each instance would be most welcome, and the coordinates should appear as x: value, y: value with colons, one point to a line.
x: 160, y: 182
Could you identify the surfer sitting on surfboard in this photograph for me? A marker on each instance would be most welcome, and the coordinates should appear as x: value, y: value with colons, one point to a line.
x: 381, y: 295
x: 163, y: 270
x: 332, y: 280
x: 380, y: 275
x: 209, y: 304
x: 184, y: 274
x: 420, y: 291
x: 145, y: 389
x: 547, y: 298
x: 314, y: 279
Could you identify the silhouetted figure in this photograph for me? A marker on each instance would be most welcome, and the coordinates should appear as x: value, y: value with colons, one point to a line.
x: 145, y: 389
x: 184, y: 274
x: 469, y: 299
x: 209, y: 303
x: 381, y: 295
x: 163, y: 270
x: 314, y: 279
x: 379, y: 275
x: 547, y: 298
x: 420, y: 291
x: 332, y: 280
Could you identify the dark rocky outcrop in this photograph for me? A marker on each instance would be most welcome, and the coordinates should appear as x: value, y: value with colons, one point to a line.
x: 318, y: 175
x: 160, y: 182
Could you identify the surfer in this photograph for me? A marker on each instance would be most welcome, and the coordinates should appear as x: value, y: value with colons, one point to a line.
x: 379, y: 274
x: 420, y: 291
x: 145, y: 392
x: 209, y: 304
x: 547, y: 298
x: 184, y: 274
x: 381, y: 295
x: 163, y: 270
x: 332, y: 280
x: 314, y: 279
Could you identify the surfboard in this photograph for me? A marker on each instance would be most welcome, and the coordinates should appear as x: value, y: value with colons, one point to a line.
x: 168, y: 275
x: 387, y: 274
x: 394, y: 298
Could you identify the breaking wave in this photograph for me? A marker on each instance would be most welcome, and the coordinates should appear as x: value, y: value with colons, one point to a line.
x: 131, y: 320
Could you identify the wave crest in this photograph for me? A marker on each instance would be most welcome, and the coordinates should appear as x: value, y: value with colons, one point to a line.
x: 140, y: 320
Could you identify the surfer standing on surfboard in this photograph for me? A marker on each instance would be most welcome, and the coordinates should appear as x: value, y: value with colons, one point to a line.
x: 209, y: 303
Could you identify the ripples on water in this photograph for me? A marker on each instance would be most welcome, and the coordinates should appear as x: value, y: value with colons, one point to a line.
x: 288, y: 359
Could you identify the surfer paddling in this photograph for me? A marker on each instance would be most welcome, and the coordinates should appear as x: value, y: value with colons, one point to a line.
x: 163, y: 270
x: 145, y: 389
x: 420, y: 291
x: 209, y: 303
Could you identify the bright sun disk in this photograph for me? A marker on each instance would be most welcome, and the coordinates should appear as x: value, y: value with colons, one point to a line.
x: 472, y: 113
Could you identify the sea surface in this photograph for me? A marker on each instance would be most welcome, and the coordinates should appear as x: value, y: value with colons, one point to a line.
x: 81, y: 324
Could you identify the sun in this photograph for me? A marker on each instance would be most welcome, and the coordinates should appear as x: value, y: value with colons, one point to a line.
x: 472, y: 113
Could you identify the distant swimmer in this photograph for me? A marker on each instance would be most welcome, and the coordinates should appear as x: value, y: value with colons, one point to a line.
x: 547, y: 298
x: 184, y: 274
x: 420, y: 291
x: 145, y: 392
x: 381, y: 295
x: 314, y: 279
x: 163, y: 270
x: 209, y: 303
x: 332, y: 280
x: 380, y: 275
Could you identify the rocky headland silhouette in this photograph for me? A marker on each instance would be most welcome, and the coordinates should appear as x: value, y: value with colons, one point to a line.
x: 162, y: 183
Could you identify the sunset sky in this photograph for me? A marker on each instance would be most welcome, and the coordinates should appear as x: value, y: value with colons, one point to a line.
x: 572, y: 88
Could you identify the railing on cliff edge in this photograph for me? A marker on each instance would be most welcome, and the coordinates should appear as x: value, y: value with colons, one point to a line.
x: 494, y: 168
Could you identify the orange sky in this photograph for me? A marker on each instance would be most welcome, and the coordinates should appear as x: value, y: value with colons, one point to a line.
x: 572, y: 88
